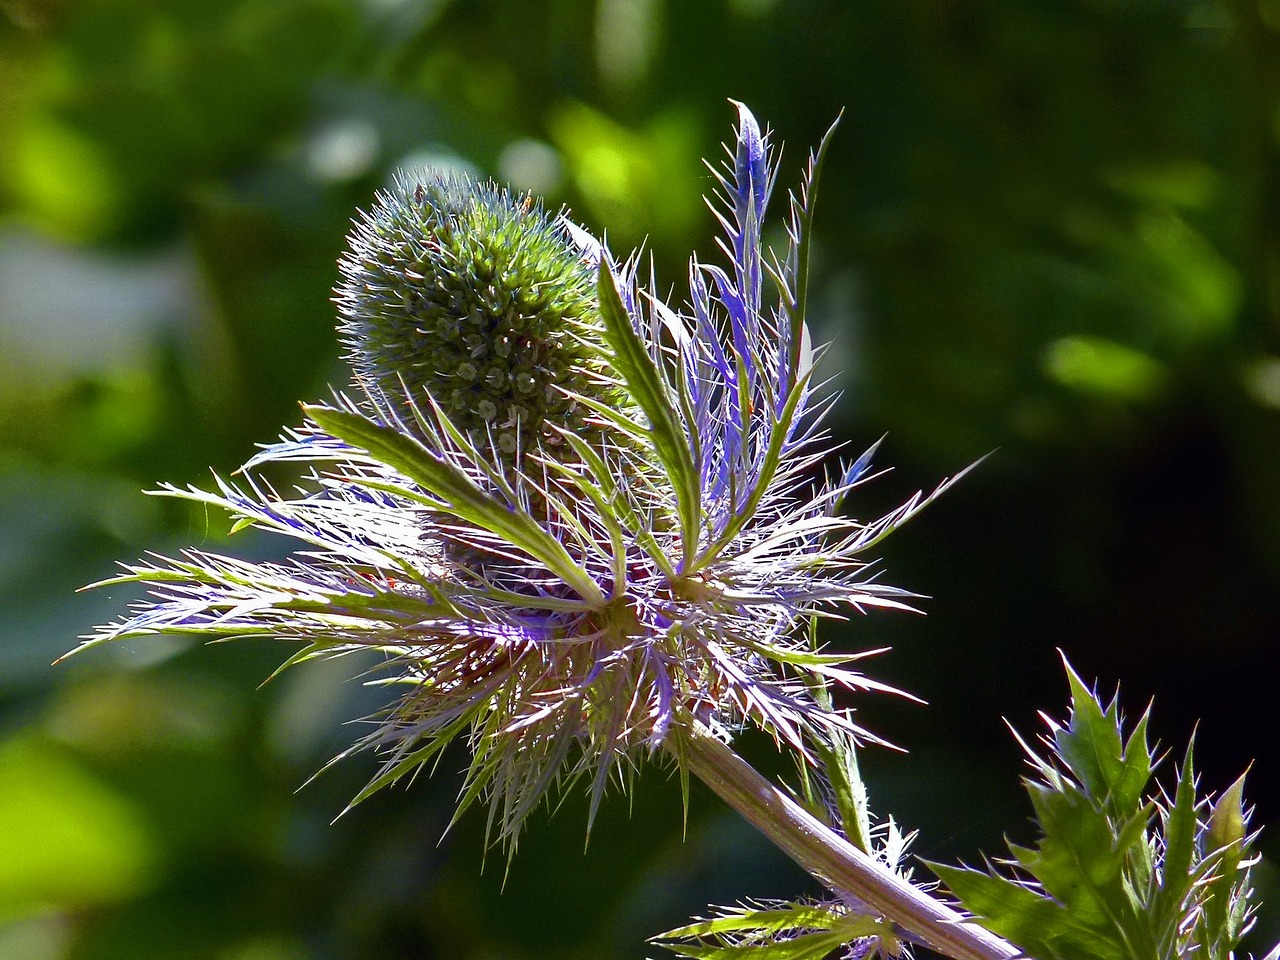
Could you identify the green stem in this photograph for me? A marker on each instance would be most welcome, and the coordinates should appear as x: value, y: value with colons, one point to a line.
x: 830, y: 857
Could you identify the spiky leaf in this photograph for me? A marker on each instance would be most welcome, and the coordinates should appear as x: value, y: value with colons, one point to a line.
x: 791, y: 931
x: 1116, y: 873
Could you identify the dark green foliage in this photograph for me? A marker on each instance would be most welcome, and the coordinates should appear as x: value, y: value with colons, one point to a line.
x: 1117, y: 874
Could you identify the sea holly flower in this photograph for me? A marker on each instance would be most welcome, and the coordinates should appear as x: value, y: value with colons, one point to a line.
x: 582, y: 524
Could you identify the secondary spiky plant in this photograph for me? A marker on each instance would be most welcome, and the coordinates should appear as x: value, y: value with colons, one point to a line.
x: 576, y: 519
x: 1117, y: 873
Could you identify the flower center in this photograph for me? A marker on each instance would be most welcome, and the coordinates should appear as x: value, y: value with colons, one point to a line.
x: 461, y: 293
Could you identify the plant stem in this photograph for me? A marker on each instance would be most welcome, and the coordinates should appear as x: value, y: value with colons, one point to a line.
x: 830, y: 857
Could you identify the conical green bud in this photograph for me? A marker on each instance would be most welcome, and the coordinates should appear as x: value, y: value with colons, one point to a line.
x: 461, y: 292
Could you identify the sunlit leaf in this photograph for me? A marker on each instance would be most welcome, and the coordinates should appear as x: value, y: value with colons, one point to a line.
x: 69, y: 838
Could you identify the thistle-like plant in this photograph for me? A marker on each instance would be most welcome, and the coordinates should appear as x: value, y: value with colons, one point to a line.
x: 585, y: 526
x: 582, y: 524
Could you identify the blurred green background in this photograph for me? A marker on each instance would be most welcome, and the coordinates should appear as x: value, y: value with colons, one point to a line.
x: 1047, y: 230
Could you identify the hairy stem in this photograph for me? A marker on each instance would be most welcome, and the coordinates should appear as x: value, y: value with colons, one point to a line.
x: 830, y: 857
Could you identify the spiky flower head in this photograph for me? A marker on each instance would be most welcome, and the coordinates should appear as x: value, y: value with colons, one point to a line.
x: 657, y: 555
x: 460, y: 294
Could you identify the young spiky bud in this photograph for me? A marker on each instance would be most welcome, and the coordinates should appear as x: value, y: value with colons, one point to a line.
x: 459, y: 292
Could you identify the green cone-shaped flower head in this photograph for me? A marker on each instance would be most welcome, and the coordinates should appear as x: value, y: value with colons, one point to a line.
x: 459, y: 292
